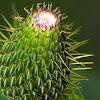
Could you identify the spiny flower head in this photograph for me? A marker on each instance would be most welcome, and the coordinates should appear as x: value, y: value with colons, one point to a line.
x: 34, y: 64
x: 44, y: 18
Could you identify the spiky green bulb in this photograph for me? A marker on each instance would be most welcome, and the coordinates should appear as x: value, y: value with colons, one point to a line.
x: 31, y: 57
x: 35, y: 60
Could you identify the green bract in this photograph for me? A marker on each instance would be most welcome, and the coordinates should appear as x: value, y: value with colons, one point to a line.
x: 34, y: 61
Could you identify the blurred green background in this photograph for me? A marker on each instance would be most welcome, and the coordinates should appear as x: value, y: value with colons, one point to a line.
x: 85, y: 13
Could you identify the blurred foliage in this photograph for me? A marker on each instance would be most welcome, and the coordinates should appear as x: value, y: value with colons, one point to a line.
x: 2, y: 97
x: 74, y: 97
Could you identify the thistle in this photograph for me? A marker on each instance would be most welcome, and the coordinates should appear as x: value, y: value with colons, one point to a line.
x: 36, y: 61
